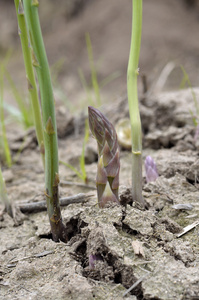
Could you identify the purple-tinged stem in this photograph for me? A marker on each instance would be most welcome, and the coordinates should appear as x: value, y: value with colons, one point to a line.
x: 107, y: 180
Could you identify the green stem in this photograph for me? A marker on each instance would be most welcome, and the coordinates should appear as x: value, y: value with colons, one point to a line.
x: 49, y: 122
x: 132, y: 73
x: 32, y: 87
x: 6, y: 149
x: 95, y: 84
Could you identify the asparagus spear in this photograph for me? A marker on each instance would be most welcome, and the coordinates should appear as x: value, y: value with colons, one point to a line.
x: 136, y: 131
x: 40, y: 62
x: 107, y: 180
x: 32, y: 87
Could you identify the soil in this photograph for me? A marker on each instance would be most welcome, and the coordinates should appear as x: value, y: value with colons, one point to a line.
x: 135, y: 249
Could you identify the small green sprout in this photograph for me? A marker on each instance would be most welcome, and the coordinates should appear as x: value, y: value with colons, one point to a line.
x: 93, y: 89
x: 25, y: 116
x: 81, y: 174
x: 93, y: 70
x: 186, y: 81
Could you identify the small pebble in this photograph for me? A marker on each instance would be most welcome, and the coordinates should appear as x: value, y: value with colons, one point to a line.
x: 183, y: 206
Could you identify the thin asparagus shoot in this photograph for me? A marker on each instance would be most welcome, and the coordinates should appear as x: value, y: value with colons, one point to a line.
x: 107, y: 180
x: 132, y: 73
x: 95, y: 84
x: 49, y: 123
x: 3, y: 139
x: 32, y: 88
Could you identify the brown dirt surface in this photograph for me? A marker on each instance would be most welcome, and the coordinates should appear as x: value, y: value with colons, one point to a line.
x: 138, y: 249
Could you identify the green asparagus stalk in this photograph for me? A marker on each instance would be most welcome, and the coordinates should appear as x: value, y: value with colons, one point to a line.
x: 30, y: 75
x: 107, y: 180
x: 49, y: 123
x: 132, y: 73
x: 3, y: 139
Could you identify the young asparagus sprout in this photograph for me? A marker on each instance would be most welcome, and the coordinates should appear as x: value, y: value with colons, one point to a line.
x: 107, y: 180
x: 32, y: 86
x: 92, y: 260
x: 151, y: 169
x: 132, y: 73
x: 40, y: 63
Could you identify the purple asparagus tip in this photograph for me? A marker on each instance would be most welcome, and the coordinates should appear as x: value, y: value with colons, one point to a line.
x: 107, y: 180
x: 92, y: 260
x: 151, y: 169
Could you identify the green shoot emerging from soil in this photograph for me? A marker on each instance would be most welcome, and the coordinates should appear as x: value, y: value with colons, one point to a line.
x: 93, y: 70
x: 24, y: 110
x: 186, y: 81
x: 30, y: 75
x: 107, y: 180
x: 5, y: 150
x: 132, y: 73
x: 40, y: 63
x: 81, y: 174
x: 93, y: 88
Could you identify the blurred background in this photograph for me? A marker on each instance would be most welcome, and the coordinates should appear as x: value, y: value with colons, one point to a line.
x: 170, y: 34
